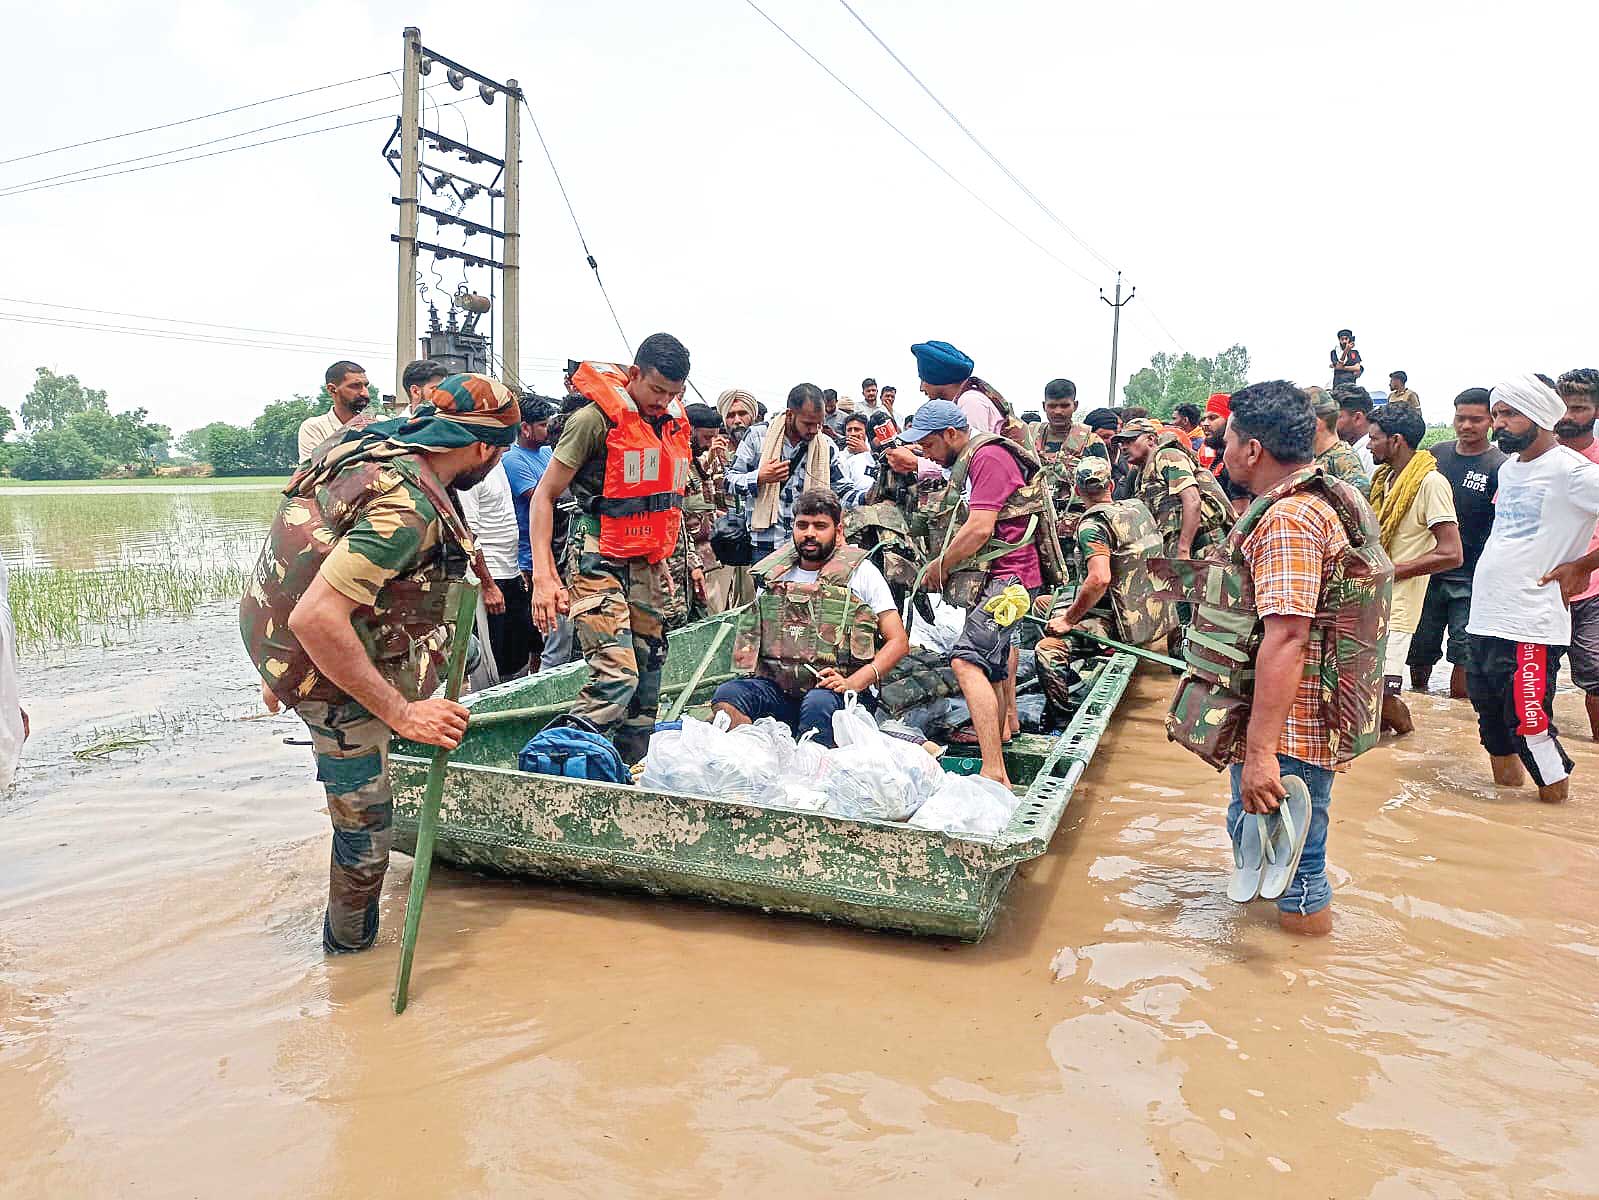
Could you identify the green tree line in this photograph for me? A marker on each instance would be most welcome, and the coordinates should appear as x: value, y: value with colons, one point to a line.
x: 69, y: 431
x: 1173, y: 379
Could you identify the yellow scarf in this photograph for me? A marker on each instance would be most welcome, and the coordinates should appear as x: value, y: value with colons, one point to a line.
x: 1393, y: 497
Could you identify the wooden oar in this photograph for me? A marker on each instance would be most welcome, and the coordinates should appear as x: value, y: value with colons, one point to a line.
x: 462, y: 600
x: 505, y: 716
x: 676, y: 710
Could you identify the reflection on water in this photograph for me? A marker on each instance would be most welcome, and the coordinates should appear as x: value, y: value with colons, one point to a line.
x: 92, y: 563
x: 166, y: 1011
x: 102, y: 528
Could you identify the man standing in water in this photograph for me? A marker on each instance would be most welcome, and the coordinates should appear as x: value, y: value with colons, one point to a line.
x: 1415, y: 507
x: 344, y: 616
x: 1536, y: 558
x: 1579, y: 390
x: 345, y: 384
x: 626, y: 457
x: 1306, y: 563
x: 1471, y: 465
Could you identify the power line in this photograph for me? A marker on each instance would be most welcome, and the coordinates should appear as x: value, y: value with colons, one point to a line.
x: 190, y: 120
x: 196, y: 157
x: 977, y: 141
x: 943, y: 170
x: 572, y: 212
x: 172, y: 336
x: 111, y: 312
x: 227, y: 137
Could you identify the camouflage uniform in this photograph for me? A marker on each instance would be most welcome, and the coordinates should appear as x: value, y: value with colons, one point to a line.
x: 1341, y: 462
x: 705, y: 501
x: 381, y: 532
x: 620, y: 608
x: 1160, y: 482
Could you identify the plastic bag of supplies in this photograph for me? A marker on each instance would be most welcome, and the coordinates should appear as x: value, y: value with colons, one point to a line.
x: 967, y: 804
x: 872, y: 774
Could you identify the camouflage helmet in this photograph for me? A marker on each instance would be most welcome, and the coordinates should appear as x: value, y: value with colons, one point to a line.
x: 1093, y: 474
x: 1137, y: 427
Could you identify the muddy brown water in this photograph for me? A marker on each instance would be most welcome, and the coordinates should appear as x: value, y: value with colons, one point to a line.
x: 170, y: 1027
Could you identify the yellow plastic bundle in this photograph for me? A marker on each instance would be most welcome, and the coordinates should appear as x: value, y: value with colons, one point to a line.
x: 1009, y: 606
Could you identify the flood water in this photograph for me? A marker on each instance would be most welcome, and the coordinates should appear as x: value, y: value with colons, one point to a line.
x: 169, y: 1025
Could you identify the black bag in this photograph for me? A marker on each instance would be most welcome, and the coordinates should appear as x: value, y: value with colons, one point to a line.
x: 730, y: 539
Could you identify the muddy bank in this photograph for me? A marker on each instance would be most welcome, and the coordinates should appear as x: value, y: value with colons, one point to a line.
x: 169, y: 1026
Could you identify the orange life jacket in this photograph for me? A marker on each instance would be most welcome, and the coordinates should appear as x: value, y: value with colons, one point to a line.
x: 640, y: 508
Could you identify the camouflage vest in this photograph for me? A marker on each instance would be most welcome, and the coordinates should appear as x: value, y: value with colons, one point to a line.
x: 1061, y: 462
x: 792, y: 626
x: 1142, y: 614
x: 1348, y: 635
x: 919, y: 678
x: 1215, y: 510
x: 1031, y: 501
x: 404, y: 631
x: 882, y: 530
x: 702, y: 504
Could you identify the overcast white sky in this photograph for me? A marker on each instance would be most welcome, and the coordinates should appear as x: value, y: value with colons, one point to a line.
x: 1263, y: 173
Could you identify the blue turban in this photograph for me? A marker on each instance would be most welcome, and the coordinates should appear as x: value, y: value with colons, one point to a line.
x: 939, y: 363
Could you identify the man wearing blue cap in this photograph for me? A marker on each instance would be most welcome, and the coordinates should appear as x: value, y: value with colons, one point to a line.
x: 946, y: 374
x: 988, y: 528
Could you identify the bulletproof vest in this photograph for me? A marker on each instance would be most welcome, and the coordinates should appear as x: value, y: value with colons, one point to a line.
x: 921, y: 677
x: 1060, y: 462
x: 882, y: 530
x: 1348, y: 634
x: 1031, y: 501
x: 792, y: 626
x: 1141, y: 614
x: 404, y: 630
x: 1215, y: 511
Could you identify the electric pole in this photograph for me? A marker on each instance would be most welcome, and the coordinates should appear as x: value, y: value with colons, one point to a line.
x: 1116, y: 329
x: 511, y: 274
x: 410, y: 152
x: 417, y: 155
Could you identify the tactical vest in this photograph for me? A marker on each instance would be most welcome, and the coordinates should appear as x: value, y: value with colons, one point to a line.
x: 1348, y: 634
x: 1061, y: 462
x: 881, y: 529
x: 1215, y: 510
x: 1141, y: 614
x: 792, y: 626
x: 403, y: 632
x: 640, y: 502
x: 1031, y: 501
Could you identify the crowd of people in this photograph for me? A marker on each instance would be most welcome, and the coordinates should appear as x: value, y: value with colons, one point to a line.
x: 1297, y: 545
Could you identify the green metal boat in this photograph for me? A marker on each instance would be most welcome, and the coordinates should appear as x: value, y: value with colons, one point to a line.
x: 878, y: 874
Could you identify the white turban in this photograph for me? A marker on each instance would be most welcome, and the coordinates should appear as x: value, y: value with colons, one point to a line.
x: 1532, y: 398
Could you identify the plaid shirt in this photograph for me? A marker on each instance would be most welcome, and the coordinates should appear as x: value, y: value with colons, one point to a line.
x: 740, y: 480
x: 1291, y: 555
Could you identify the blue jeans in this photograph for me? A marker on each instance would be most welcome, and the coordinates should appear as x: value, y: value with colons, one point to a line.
x: 1309, y: 892
x: 756, y: 698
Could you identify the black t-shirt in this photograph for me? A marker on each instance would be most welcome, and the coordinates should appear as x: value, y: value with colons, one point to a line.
x: 1348, y: 360
x: 1475, y: 479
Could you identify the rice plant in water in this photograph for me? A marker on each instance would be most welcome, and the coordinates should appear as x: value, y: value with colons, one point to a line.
x: 51, y: 606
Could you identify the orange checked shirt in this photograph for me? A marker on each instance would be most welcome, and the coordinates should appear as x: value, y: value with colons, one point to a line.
x: 1291, y: 555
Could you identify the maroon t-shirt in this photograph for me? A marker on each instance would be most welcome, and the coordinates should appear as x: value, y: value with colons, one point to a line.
x: 995, y: 474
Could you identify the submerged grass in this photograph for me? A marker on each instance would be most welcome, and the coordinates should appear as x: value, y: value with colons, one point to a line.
x: 51, y: 606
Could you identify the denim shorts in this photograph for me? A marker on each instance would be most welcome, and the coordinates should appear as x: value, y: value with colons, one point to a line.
x: 982, y: 641
x: 1309, y: 892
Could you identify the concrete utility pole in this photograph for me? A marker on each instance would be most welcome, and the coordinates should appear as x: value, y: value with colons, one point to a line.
x: 1116, y: 329
x: 511, y: 314
x: 410, y: 150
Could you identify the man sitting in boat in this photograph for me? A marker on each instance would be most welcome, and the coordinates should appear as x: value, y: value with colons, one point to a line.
x: 823, y: 625
x: 1116, y: 596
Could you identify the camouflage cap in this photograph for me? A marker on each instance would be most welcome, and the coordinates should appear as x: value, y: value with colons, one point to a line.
x: 1137, y: 427
x: 1093, y: 473
x: 1323, y: 402
x: 463, y: 409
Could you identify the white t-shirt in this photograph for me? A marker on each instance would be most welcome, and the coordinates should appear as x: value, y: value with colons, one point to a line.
x: 490, y: 514
x: 1362, y: 449
x: 860, y: 469
x: 316, y: 430
x: 1543, y: 516
x: 867, y: 582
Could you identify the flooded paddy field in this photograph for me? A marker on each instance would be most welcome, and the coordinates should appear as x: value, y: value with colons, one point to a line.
x: 169, y: 1025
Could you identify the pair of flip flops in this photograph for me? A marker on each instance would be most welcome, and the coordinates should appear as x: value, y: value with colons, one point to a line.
x: 1267, y: 848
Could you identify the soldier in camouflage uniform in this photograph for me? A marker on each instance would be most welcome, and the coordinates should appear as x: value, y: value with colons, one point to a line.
x: 1333, y: 454
x: 344, y: 615
x: 1187, y: 503
x: 625, y: 457
x: 707, y: 500
x: 1116, y: 596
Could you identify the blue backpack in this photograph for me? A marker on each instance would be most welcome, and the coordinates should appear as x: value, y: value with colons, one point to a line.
x: 573, y: 747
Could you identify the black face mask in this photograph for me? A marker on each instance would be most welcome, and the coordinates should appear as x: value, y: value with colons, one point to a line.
x: 1514, y: 443
x: 1572, y: 429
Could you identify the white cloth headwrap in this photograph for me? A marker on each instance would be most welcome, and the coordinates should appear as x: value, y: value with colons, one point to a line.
x: 1532, y: 398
